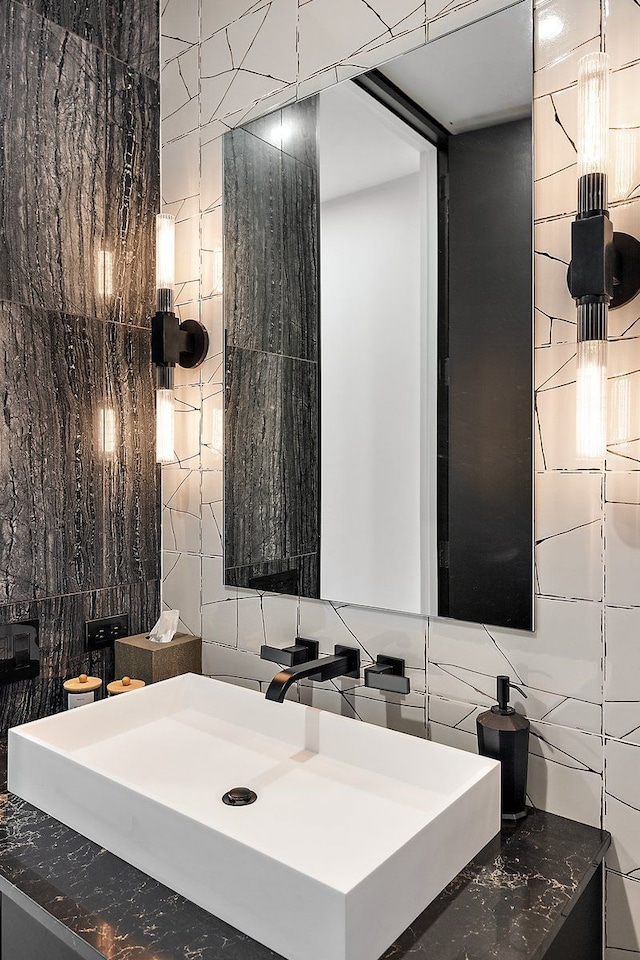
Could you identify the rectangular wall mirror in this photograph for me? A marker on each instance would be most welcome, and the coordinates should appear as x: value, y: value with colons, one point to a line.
x: 378, y: 316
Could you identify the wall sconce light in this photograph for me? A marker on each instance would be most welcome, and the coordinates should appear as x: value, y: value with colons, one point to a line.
x: 107, y: 431
x: 172, y: 343
x: 104, y: 270
x: 605, y: 266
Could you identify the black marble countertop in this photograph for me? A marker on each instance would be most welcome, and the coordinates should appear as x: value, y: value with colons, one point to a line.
x: 507, y: 903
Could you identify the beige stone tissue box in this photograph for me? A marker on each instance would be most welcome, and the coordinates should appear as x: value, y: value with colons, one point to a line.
x: 145, y: 660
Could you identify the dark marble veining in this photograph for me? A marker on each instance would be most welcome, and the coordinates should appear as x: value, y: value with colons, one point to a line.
x: 86, y: 19
x: 132, y: 31
x: 271, y: 374
x: 79, y: 187
x: 61, y: 624
x: 79, y: 164
x: 508, y: 903
x: 271, y: 451
x: 132, y: 196
x: 125, y: 29
x: 300, y: 264
x: 271, y: 229
x: 50, y: 470
x: 131, y: 517
x: 74, y: 516
x: 52, y: 181
x: 253, y: 242
x: 294, y: 576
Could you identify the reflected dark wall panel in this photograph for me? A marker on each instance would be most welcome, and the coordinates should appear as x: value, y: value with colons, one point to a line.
x: 79, y: 188
x: 488, y: 493
x: 271, y: 376
x: 292, y: 576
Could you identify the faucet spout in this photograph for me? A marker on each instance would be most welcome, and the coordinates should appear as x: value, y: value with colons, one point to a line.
x: 344, y: 663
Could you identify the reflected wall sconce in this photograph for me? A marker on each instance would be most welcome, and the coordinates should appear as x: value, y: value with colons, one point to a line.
x: 217, y: 430
x: 172, y: 343
x: 623, y: 149
x: 605, y: 266
x: 218, y: 278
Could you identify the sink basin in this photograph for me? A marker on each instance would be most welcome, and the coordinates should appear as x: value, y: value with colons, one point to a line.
x: 354, y: 832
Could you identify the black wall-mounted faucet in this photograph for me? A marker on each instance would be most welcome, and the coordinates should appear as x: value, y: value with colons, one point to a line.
x: 344, y: 663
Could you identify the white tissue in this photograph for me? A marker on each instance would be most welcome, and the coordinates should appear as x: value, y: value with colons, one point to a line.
x: 164, y: 630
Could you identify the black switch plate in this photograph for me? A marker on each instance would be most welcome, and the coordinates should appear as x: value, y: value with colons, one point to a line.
x: 99, y: 634
x: 19, y: 651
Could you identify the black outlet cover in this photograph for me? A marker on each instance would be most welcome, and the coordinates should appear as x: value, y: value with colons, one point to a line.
x: 103, y: 632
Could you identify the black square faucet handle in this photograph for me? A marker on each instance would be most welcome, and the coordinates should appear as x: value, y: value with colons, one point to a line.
x: 303, y: 651
x: 387, y: 674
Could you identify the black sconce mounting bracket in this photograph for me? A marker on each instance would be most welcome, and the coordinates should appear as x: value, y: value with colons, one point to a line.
x: 605, y: 266
x: 626, y: 277
x: 174, y: 343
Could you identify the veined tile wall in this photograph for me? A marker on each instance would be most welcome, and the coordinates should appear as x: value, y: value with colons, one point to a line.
x: 79, y: 188
x: 227, y: 62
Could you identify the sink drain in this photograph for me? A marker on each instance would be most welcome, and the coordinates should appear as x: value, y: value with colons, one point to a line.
x: 239, y: 797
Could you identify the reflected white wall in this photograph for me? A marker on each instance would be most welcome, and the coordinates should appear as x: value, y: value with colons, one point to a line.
x: 371, y: 412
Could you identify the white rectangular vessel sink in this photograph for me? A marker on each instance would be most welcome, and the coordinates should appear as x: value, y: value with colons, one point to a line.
x: 354, y: 831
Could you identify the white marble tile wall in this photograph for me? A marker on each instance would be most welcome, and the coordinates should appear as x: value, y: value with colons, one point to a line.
x: 228, y: 61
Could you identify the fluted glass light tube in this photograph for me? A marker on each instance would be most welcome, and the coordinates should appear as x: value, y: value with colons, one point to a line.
x: 593, y: 113
x: 165, y: 260
x: 591, y: 388
x: 165, y: 426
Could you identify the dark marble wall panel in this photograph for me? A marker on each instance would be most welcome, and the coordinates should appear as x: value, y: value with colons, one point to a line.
x: 271, y: 458
x: 52, y: 126
x: 132, y: 31
x: 61, y: 620
x: 82, y: 17
x: 79, y: 187
x: 79, y: 151
x: 131, y: 520
x: 74, y: 515
x: 132, y: 168
x: 126, y: 29
x: 50, y: 471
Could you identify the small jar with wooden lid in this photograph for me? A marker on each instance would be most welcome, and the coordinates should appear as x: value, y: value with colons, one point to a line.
x: 117, y: 687
x: 81, y: 690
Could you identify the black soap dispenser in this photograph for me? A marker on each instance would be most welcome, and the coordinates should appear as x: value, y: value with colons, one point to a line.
x: 503, y: 735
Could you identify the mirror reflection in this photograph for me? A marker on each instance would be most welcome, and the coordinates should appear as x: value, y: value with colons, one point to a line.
x: 378, y: 277
x: 370, y: 232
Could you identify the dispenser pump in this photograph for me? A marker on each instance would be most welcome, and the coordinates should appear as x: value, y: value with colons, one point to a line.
x: 503, y: 735
x: 503, y: 691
